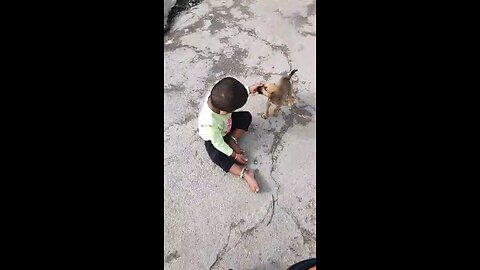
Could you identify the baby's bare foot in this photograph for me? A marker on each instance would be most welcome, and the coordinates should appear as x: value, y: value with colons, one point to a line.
x: 252, y: 183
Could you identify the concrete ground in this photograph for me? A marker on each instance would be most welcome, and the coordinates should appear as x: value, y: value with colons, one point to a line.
x: 212, y: 219
x: 167, y: 6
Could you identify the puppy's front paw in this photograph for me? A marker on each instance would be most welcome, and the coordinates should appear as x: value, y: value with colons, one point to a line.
x: 264, y: 116
x: 275, y: 113
x: 290, y: 104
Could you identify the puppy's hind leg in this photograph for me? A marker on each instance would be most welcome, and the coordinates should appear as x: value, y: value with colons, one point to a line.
x: 276, y: 110
x: 265, y: 115
x: 290, y: 103
x: 290, y: 98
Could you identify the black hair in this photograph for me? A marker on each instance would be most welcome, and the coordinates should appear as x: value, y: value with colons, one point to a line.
x: 228, y: 95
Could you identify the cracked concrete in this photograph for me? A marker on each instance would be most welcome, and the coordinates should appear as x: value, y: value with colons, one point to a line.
x: 212, y: 220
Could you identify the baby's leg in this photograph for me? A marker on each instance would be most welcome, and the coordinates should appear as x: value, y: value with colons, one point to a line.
x: 228, y: 165
x: 238, y: 133
x: 248, y: 176
x: 240, y: 123
x: 223, y: 161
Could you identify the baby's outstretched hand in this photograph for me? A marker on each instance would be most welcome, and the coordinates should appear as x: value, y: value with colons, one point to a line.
x: 254, y: 88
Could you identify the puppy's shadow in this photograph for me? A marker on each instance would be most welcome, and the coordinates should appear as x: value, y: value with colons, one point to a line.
x: 262, y: 183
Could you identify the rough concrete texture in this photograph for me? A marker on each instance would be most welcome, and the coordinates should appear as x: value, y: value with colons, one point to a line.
x: 212, y: 219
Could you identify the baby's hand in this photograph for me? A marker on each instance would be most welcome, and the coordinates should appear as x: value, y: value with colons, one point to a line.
x: 254, y: 88
x: 236, y: 148
x: 240, y: 158
x: 243, y: 158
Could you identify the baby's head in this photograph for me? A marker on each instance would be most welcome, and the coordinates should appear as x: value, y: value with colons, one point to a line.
x: 228, y: 95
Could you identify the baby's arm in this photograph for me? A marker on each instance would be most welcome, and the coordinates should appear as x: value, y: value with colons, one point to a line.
x: 218, y: 142
x: 222, y: 146
x: 236, y: 148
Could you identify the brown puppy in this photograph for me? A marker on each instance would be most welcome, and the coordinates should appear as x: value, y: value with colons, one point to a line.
x: 278, y: 94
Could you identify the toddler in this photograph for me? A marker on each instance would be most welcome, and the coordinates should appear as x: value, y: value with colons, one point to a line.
x: 221, y: 127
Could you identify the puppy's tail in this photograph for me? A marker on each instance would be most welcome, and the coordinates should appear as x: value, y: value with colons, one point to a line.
x: 291, y: 73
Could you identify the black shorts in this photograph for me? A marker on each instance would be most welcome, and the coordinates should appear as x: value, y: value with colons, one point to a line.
x: 240, y: 120
x: 304, y: 265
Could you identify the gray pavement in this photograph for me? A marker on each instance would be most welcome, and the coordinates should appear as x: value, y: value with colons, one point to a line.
x: 212, y: 219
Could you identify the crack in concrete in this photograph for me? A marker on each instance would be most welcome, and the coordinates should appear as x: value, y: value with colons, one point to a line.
x: 187, y: 118
x: 200, y: 52
x: 229, y: 62
x: 308, y: 237
x: 305, y: 104
x: 289, y: 122
x: 276, y: 143
x: 306, y: 33
x: 283, y: 48
x: 243, y: 236
x: 237, y: 53
x: 223, y: 250
x: 172, y: 256
x: 219, y: 22
x: 273, y: 210
x: 298, y: 21
x: 242, y: 6
x: 173, y: 88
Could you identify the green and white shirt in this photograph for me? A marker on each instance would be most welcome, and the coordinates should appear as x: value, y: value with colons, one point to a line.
x: 213, y: 127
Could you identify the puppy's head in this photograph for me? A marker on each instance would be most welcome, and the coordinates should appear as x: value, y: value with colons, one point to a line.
x: 268, y: 89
